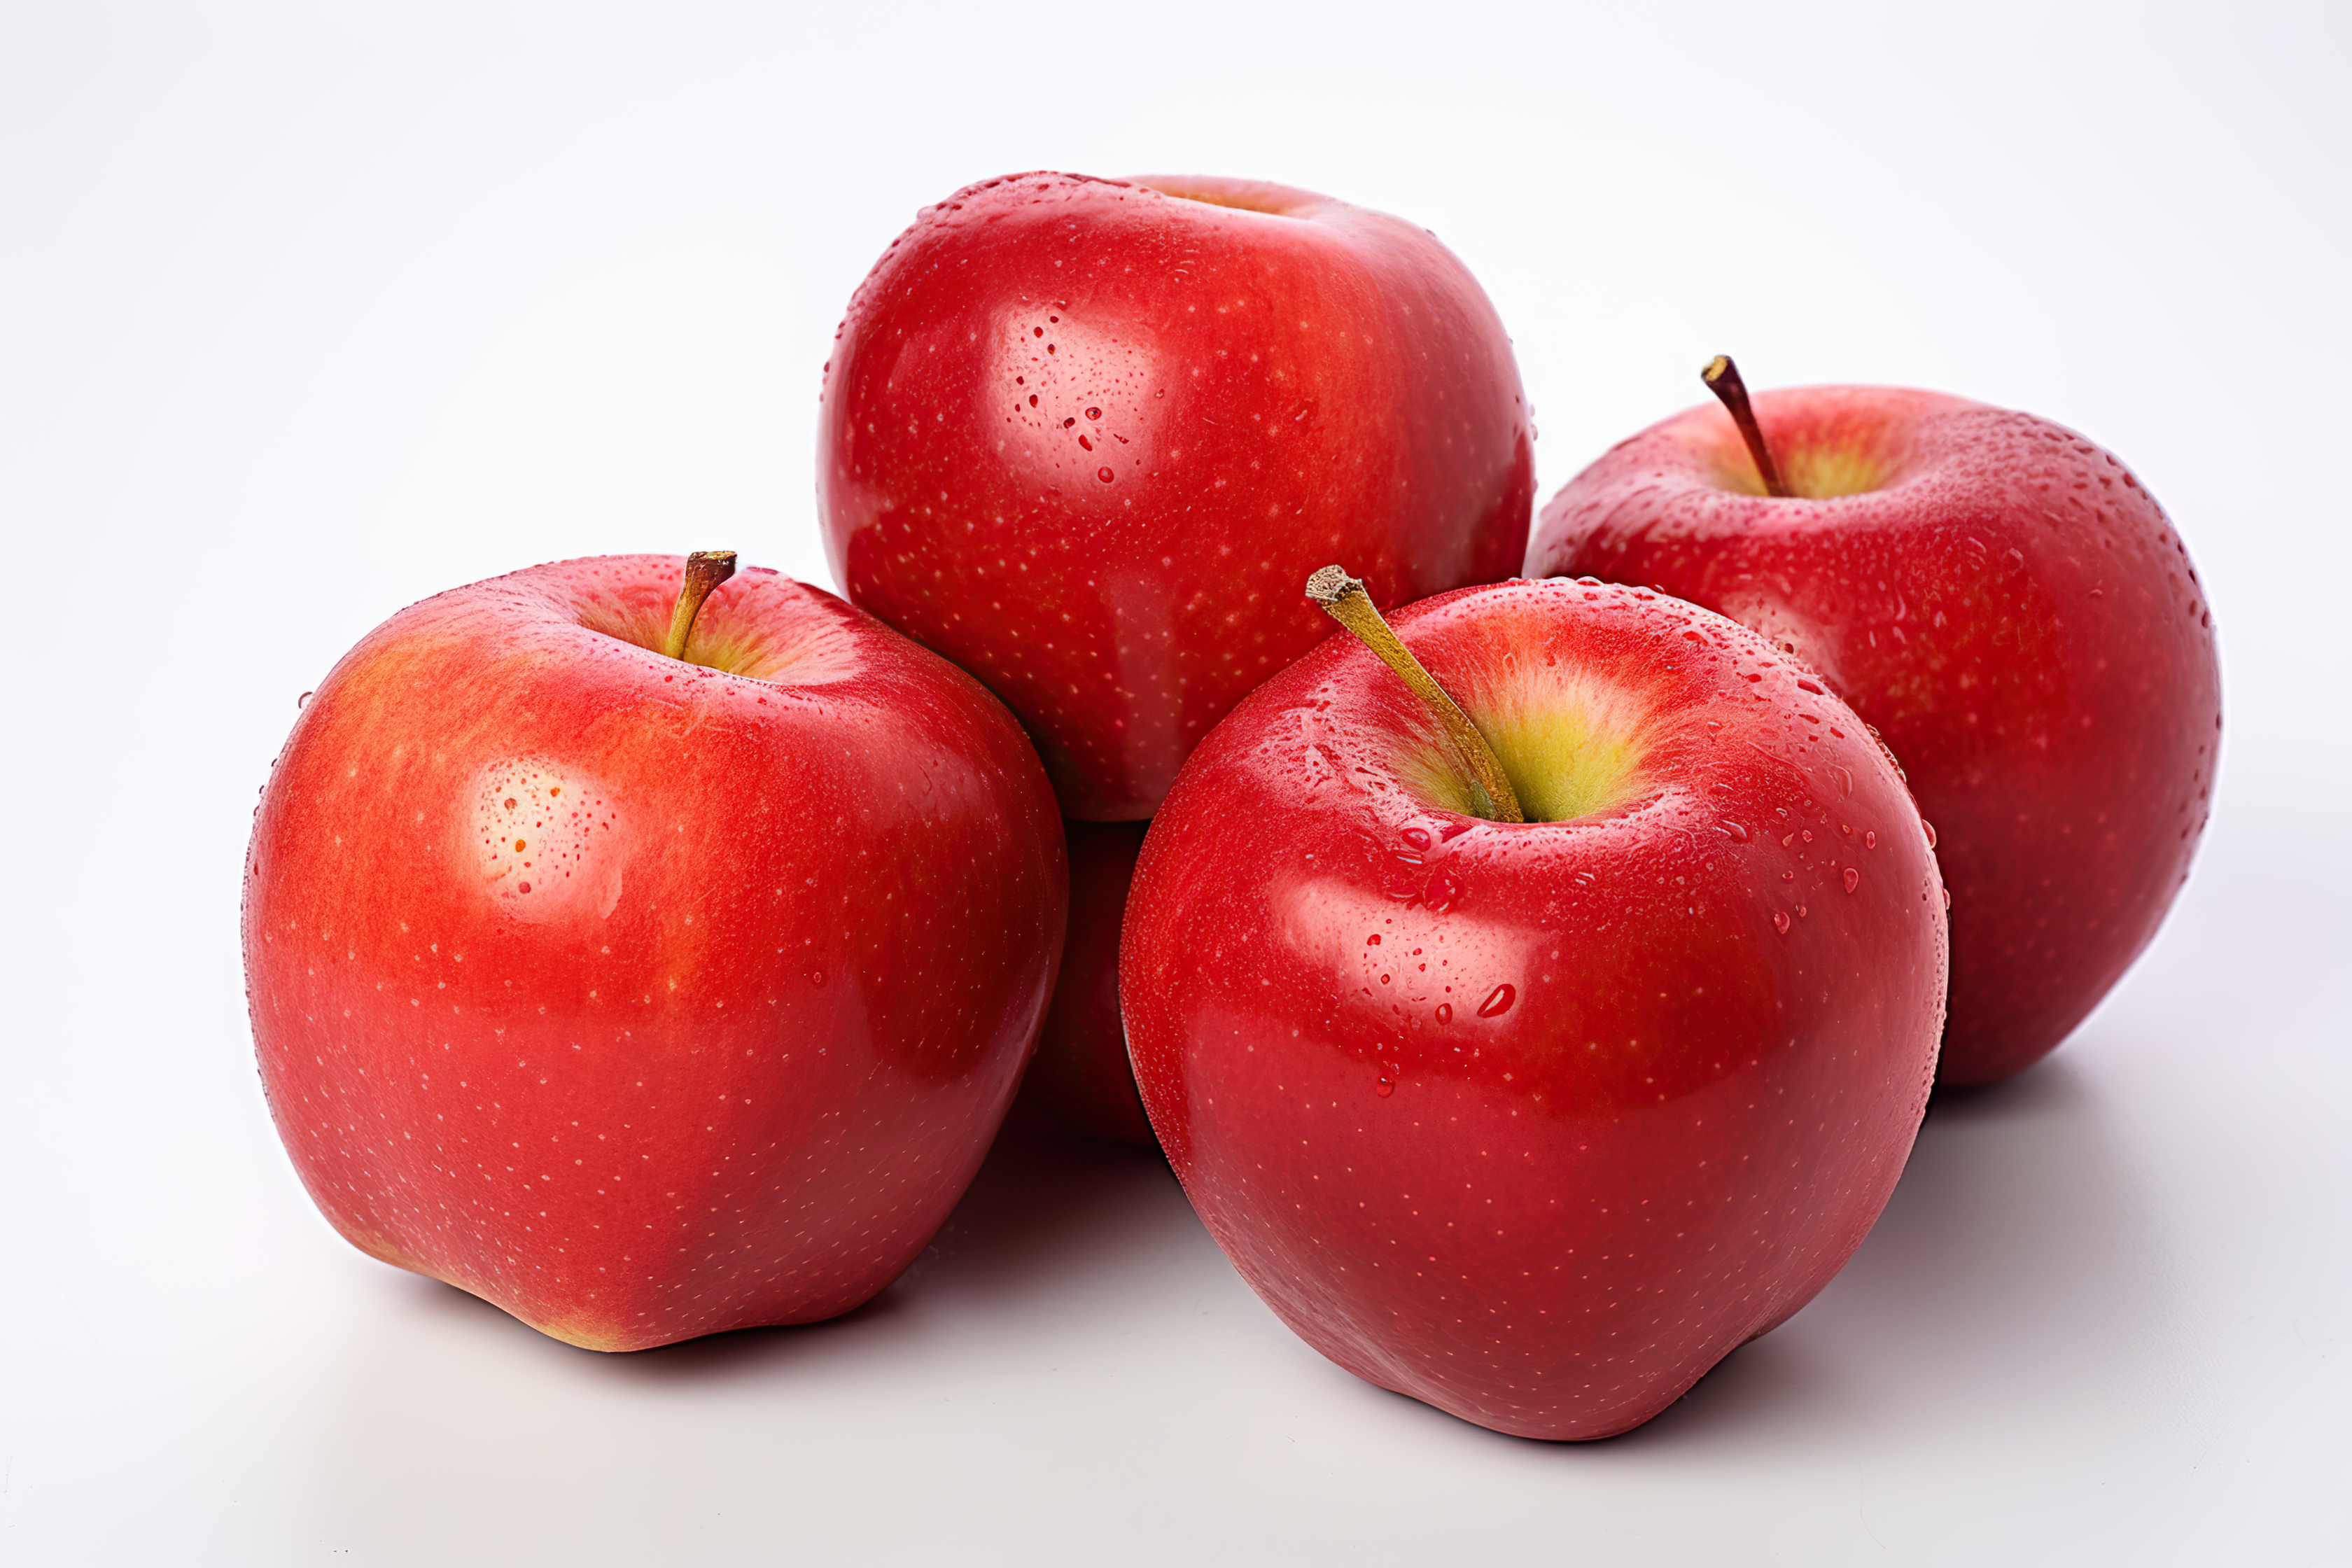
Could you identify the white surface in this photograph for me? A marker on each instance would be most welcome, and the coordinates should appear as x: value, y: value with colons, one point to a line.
x: 307, y: 313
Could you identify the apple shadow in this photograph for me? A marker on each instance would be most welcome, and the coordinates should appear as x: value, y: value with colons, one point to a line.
x: 2014, y: 1269
x: 1043, y: 1212
x: 1046, y: 1207
x: 441, y: 1391
x: 434, y: 1302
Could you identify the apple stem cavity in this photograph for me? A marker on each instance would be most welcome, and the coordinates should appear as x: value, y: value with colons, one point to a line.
x: 1344, y: 600
x: 705, y: 569
x: 1722, y: 378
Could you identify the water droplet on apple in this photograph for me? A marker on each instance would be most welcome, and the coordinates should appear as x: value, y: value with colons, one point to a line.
x: 1498, y: 1002
x: 1104, y: 473
x: 1947, y: 898
x: 1843, y: 777
x: 1445, y: 1012
x: 1373, y: 939
x: 1386, y: 1086
x: 1416, y: 836
x: 1870, y: 840
x: 1931, y: 831
x: 306, y: 696
x: 524, y: 888
x: 1781, y: 922
x: 1733, y: 830
x: 1853, y: 878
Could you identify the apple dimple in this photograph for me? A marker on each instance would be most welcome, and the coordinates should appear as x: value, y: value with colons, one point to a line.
x: 1832, y: 449
x: 542, y: 839
x: 742, y: 630
x: 1572, y: 739
x: 1234, y: 196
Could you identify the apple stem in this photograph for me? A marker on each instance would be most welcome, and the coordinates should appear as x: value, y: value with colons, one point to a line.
x: 1722, y: 378
x: 705, y: 569
x: 1344, y: 600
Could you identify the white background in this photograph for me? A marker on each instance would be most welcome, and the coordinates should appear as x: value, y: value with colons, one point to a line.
x: 308, y: 312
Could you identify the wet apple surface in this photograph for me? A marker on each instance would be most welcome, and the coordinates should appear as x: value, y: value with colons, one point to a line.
x: 2011, y: 609
x: 642, y: 996
x: 1537, y: 1121
x: 1084, y: 437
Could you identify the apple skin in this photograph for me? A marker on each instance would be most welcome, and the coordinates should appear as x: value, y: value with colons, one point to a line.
x: 1079, y: 1081
x: 2009, y: 606
x: 645, y: 999
x: 1537, y: 1121
x: 1086, y: 437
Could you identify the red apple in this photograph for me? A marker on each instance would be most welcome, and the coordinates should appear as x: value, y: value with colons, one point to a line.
x: 1537, y: 1121
x: 1079, y: 1081
x: 2009, y: 606
x: 648, y: 997
x: 1086, y: 436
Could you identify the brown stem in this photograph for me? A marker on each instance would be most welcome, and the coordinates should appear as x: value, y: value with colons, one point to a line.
x: 1344, y: 599
x: 705, y: 569
x: 1722, y: 378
